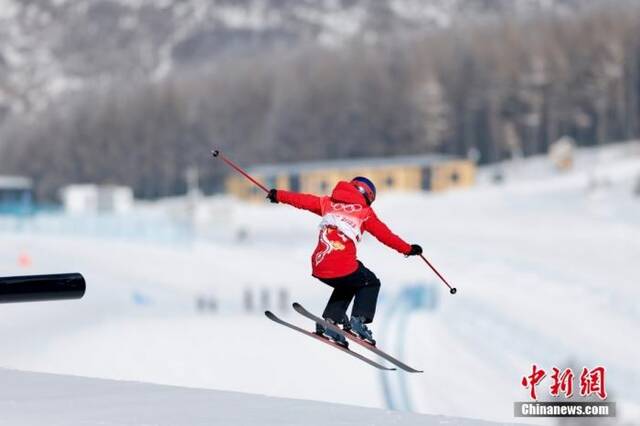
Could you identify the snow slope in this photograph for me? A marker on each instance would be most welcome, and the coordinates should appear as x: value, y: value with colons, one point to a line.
x: 37, y: 399
x: 547, y: 272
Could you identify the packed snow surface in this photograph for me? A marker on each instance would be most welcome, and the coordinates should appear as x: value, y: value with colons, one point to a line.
x: 34, y: 399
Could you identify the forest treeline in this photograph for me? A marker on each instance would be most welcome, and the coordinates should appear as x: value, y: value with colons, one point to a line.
x: 492, y: 90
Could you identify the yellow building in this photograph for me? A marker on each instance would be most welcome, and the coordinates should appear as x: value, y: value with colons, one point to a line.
x: 407, y: 173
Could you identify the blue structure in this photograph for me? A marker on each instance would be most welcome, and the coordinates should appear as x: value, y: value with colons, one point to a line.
x: 412, y: 298
x: 16, y: 195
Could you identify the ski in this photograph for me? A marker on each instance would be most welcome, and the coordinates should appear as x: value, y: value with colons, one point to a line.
x: 274, y: 318
x: 302, y: 311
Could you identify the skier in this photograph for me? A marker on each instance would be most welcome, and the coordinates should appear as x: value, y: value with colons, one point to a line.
x: 346, y: 214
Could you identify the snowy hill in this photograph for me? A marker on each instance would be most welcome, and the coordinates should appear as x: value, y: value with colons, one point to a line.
x: 53, y: 47
x: 35, y: 399
x: 546, y: 265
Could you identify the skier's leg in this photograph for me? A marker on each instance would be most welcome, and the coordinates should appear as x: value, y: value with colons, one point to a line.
x: 338, y: 303
x: 336, y: 309
x: 366, y: 296
x: 336, y: 312
x: 364, y: 306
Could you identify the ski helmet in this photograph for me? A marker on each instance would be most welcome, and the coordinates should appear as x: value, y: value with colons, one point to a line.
x: 365, y: 187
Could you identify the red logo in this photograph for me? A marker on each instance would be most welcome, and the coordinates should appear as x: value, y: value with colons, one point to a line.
x: 562, y: 382
x: 592, y: 382
x: 533, y: 379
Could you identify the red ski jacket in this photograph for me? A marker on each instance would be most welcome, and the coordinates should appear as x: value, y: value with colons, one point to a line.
x: 345, y: 216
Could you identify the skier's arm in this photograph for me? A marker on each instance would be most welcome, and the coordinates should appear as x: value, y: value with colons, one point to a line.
x: 301, y: 201
x: 382, y: 232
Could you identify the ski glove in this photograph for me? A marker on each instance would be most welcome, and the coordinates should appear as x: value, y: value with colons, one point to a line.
x: 273, y: 196
x: 416, y: 250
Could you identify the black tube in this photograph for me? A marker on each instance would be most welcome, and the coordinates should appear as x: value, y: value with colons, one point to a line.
x: 36, y: 288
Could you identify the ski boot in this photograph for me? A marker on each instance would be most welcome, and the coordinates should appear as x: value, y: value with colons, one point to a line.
x: 328, y: 333
x: 358, y: 328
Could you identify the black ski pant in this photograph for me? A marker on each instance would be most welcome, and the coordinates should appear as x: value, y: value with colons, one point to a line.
x: 363, y: 285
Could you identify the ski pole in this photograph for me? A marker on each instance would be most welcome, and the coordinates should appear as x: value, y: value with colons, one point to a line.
x: 218, y: 154
x: 452, y: 290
